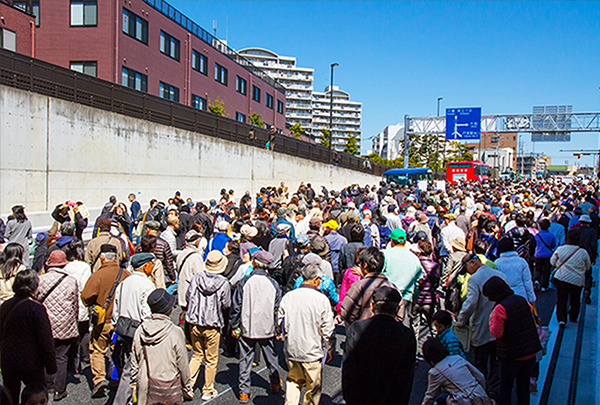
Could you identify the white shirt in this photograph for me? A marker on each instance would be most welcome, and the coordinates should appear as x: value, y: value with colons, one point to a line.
x: 81, y: 271
x: 131, y: 298
x: 448, y: 234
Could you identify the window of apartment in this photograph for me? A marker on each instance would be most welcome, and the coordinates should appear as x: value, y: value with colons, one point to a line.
x: 240, y: 85
x: 84, y: 13
x: 169, y: 45
x: 199, y: 62
x: 255, y: 94
x: 35, y: 9
x: 8, y: 39
x: 269, y: 101
x: 280, y: 106
x: 199, y: 102
x: 169, y: 92
x: 134, y: 80
x: 220, y: 74
x: 240, y: 117
x: 135, y: 26
x: 88, y: 67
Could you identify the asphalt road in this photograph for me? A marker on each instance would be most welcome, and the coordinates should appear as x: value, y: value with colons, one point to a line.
x: 227, y: 375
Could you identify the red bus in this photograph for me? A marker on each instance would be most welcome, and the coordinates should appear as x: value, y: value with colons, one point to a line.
x: 467, y: 170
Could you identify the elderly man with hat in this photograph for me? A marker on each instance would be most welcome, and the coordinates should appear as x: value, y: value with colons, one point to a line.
x: 129, y: 310
x: 448, y: 233
x: 59, y: 293
x: 335, y: 241
x: 159, y: 351
x: 92, y: 253
x: 189, y: 263
x: 99, y: 291
x: 318, y: 243
x: 163, y: 253
x: 208, y: 297
x: 254, y: 307
x: 380, y: 355
x: 403, y: 269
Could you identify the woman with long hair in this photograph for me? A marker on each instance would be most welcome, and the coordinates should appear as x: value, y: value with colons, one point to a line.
x: 18, y: 230
x: 11, y: 263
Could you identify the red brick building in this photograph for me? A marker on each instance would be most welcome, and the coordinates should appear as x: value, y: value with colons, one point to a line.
x: 17, y: 29
x: 150, y: 46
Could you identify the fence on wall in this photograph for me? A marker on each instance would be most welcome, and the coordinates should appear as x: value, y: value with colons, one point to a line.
x: 26, y: 73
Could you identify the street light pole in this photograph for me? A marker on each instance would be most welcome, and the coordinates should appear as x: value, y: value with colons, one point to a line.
x: 437, y: 141
x: 331, y: 111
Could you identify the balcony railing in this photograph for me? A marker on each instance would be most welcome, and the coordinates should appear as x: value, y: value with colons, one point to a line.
x: 26, y: 73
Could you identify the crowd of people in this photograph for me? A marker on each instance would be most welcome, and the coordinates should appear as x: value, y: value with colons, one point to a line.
x: 157, y: 294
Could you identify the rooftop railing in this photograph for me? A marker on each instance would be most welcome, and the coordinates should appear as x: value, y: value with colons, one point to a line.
x: 26, y: 73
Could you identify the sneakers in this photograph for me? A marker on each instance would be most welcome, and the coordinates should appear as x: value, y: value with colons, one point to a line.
x: 209, y: 395
x: 561, y: 325
x: 62, y: 395
x: 275, y: 388
x: 533, y: 385
x: 98, y: 390
x: 244, y: 398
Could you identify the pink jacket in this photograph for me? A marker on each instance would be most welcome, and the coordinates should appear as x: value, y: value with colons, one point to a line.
x: 349, y: 278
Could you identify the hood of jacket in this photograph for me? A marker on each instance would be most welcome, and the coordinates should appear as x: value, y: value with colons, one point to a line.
x: 155, y: 329
x: 209, y: 284
x: 63, y: 240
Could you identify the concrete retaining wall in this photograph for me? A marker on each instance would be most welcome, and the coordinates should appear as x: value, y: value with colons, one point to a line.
x: 53, y: 150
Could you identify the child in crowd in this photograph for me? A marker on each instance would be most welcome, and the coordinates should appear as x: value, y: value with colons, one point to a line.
x: 442, y: 321
x: 34, y: 394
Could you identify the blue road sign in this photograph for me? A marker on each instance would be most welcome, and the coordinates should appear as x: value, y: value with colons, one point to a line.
x: 463, y: 123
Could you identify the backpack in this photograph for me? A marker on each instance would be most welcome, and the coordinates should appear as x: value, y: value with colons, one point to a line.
x: 384, y: 235
x: 368, y: 240
x: 453, y: 302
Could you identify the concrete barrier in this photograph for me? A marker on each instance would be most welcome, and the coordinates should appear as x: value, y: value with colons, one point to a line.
x: 53, y: 150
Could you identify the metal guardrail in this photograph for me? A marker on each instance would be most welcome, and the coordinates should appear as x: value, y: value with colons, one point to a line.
x: 26, y: 73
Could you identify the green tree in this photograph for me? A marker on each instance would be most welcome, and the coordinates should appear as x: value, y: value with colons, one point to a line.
x: 324, y: 138
x: 297, y: 130
x: 351, y: 145
x: 255, y: 119
x: 218, y: 107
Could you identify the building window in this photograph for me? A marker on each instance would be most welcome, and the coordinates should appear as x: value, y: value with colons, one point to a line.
x: 198, y: 102
x: 88, y: 68
x: 169, y: 45
x: 199, y: 62
x: 269, y: 102
x: 35, y: 9
x: 220, y: 74
x: 280, y: 106
x: 240, y: 117
x: 169, y: 92
x: 255, y: 94
x: 8, y: 40
x: 240, y: 85
x: 135, y: 26
x: 134, y: 80
x: 83, y: 13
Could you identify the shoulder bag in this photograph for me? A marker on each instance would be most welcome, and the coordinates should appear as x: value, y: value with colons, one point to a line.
x: 97, y: 312
x: 552, y: 278
x: 161, y: 392
x: 125, y: 326
x: 60, y: 280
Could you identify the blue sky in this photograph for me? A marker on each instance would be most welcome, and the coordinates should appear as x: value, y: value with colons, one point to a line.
x: 398, y: 57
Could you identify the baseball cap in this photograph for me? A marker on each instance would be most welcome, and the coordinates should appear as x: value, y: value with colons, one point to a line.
x: 398, y: 235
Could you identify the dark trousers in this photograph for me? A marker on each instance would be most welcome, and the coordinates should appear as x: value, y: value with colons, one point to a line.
x: 124, y: 391
x: 565, y: 293
x: 247, y: 348
x: 486, y: 361
x: 542, y: 271
x: 58, y: 381
x: 81, y: 352
x: 511, y: 370
x: 12, y: 381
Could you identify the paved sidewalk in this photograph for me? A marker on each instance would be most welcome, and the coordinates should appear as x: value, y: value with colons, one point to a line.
x: 575, y: 378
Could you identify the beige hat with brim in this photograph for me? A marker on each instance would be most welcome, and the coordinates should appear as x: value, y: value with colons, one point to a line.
x: 215, y: 262
x: 459, y: 244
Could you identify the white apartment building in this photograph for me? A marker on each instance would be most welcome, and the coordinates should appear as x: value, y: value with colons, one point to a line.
x: 297, y: 81
x: 346, y: 116
x: 387, y: 143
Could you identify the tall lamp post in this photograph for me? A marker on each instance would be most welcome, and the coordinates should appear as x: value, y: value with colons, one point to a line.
x: 437, y: 141
x: 331, y: 111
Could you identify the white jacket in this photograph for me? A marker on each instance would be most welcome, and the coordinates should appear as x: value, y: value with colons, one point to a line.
x: 307, y: 320
x: 131, y: 298
x: 448, y: 234
x: 81, y: 271
x: 193, y: 264
x: 171, y: 238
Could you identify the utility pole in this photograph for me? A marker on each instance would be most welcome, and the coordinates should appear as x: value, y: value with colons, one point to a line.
x: 437, y: 140
x: 406, y: 141
x: 331, y: 111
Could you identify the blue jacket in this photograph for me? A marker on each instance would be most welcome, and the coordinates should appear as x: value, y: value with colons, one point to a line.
x: 327, y: 287
x: 545, y: 244
x: 282, y: 220
x: 451, y: 342
x: 135, y: 210
x: 558, y: 231
x: 217, y: 242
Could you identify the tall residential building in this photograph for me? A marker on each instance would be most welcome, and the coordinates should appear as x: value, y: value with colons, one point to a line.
x: 151, y: 47
x: 387, y: 143
x: 346, y: 116
x: 298, y: 83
